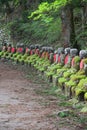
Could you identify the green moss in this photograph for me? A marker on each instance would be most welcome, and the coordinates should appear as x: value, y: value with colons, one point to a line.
x: 43, y: 65
x: 1, y: 53
x: 81, y: 83
x: 85, y: 96
x: 52, y: 69
x: 27, y: 59
x: 78, y: 77
x: 9, y: 56
x: 77, y: 59
x: 18, y: 57
x: 14, y: 56
x: 23, y: 57
x: 85, y: 61
x: 62, y: 80
x: 70, y: 83
x: 78, y: 91
x: 69, y: 72
x: 4, y: 54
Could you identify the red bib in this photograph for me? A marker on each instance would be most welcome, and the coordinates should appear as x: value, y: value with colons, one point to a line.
x: 20, y: 50
x: 37, y: 51
x: 82, y: 64
x: 13, y: 49
x: 31, y: 52
x: 54, y: 58
x: 66, y: 60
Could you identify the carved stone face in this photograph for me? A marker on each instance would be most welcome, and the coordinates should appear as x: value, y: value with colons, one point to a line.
x: 55, y: 52
x: 60, y: 50
x: 73, y: 52
x: 37, y: 46
x: 32, y: 47
x: 83, y: 54
x: 67, y: 51
x: 50, y: 50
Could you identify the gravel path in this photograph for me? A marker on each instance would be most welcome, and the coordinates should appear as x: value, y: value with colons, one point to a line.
x: 22, y: 108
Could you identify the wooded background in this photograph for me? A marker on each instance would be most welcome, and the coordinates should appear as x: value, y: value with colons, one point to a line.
x: 48, y: 22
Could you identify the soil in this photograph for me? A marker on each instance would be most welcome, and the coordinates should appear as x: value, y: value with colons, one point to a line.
x: 24, y: 106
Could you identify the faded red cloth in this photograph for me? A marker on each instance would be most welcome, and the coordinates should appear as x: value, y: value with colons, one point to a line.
x: 19, y: 49
x: 13, y: 49
x: 31, y: 52
x: 54, y: 58
x: 82, y: 64
x: 37, y: 51
x: 66, y: 59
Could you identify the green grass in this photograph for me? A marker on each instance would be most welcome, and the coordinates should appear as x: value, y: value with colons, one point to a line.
x: 64, y: 104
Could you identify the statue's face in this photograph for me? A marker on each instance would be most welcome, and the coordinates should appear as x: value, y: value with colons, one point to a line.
x: 66, y: 52
x: 82, y: 54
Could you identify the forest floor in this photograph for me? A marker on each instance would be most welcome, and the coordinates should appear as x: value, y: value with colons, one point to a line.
x: 28, y: 102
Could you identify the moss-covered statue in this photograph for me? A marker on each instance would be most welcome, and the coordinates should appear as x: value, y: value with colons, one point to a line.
x: 11, y: 51
x: 4, y: 49
x: 65, y: 64
x: 7, y: 50
x: 80, y: 90
x: 35, y: 55
x: 30, y: 53
x: 20, y: 50
x: 74, y: 66
x: 74, y: 86
x: 25, y: 56
x: 57, y: 64
x: 43, y: 62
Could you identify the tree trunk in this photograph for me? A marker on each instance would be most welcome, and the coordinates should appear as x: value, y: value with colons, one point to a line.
x: 23, y: 4
x: 8, y: 8
x: 31, y: 2
x: 84, y: 15
x: 68, y: 31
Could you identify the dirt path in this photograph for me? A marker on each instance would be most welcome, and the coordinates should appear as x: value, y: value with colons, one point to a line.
x: 21, y: 105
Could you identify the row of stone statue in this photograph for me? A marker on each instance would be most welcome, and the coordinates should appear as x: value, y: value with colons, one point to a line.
x: 64, y: 67
x: 60, y: 55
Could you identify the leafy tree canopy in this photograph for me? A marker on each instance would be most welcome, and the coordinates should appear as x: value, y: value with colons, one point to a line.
x: 45, y: 7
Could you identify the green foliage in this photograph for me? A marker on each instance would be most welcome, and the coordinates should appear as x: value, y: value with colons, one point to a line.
x: 16, y: 2
x: 42, y: 25
x: 84, y: 110
x: 85, y: 96
x: 46, y: 8
x: 81, y: 37
x: 5, y: 1
x: 68, y: 73
x: 62, y: 80
x: 63, y: 114
x: 36, y: 32
x: 77, y: 59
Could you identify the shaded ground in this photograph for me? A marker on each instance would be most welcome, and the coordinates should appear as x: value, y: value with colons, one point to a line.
x: 27, y: 102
